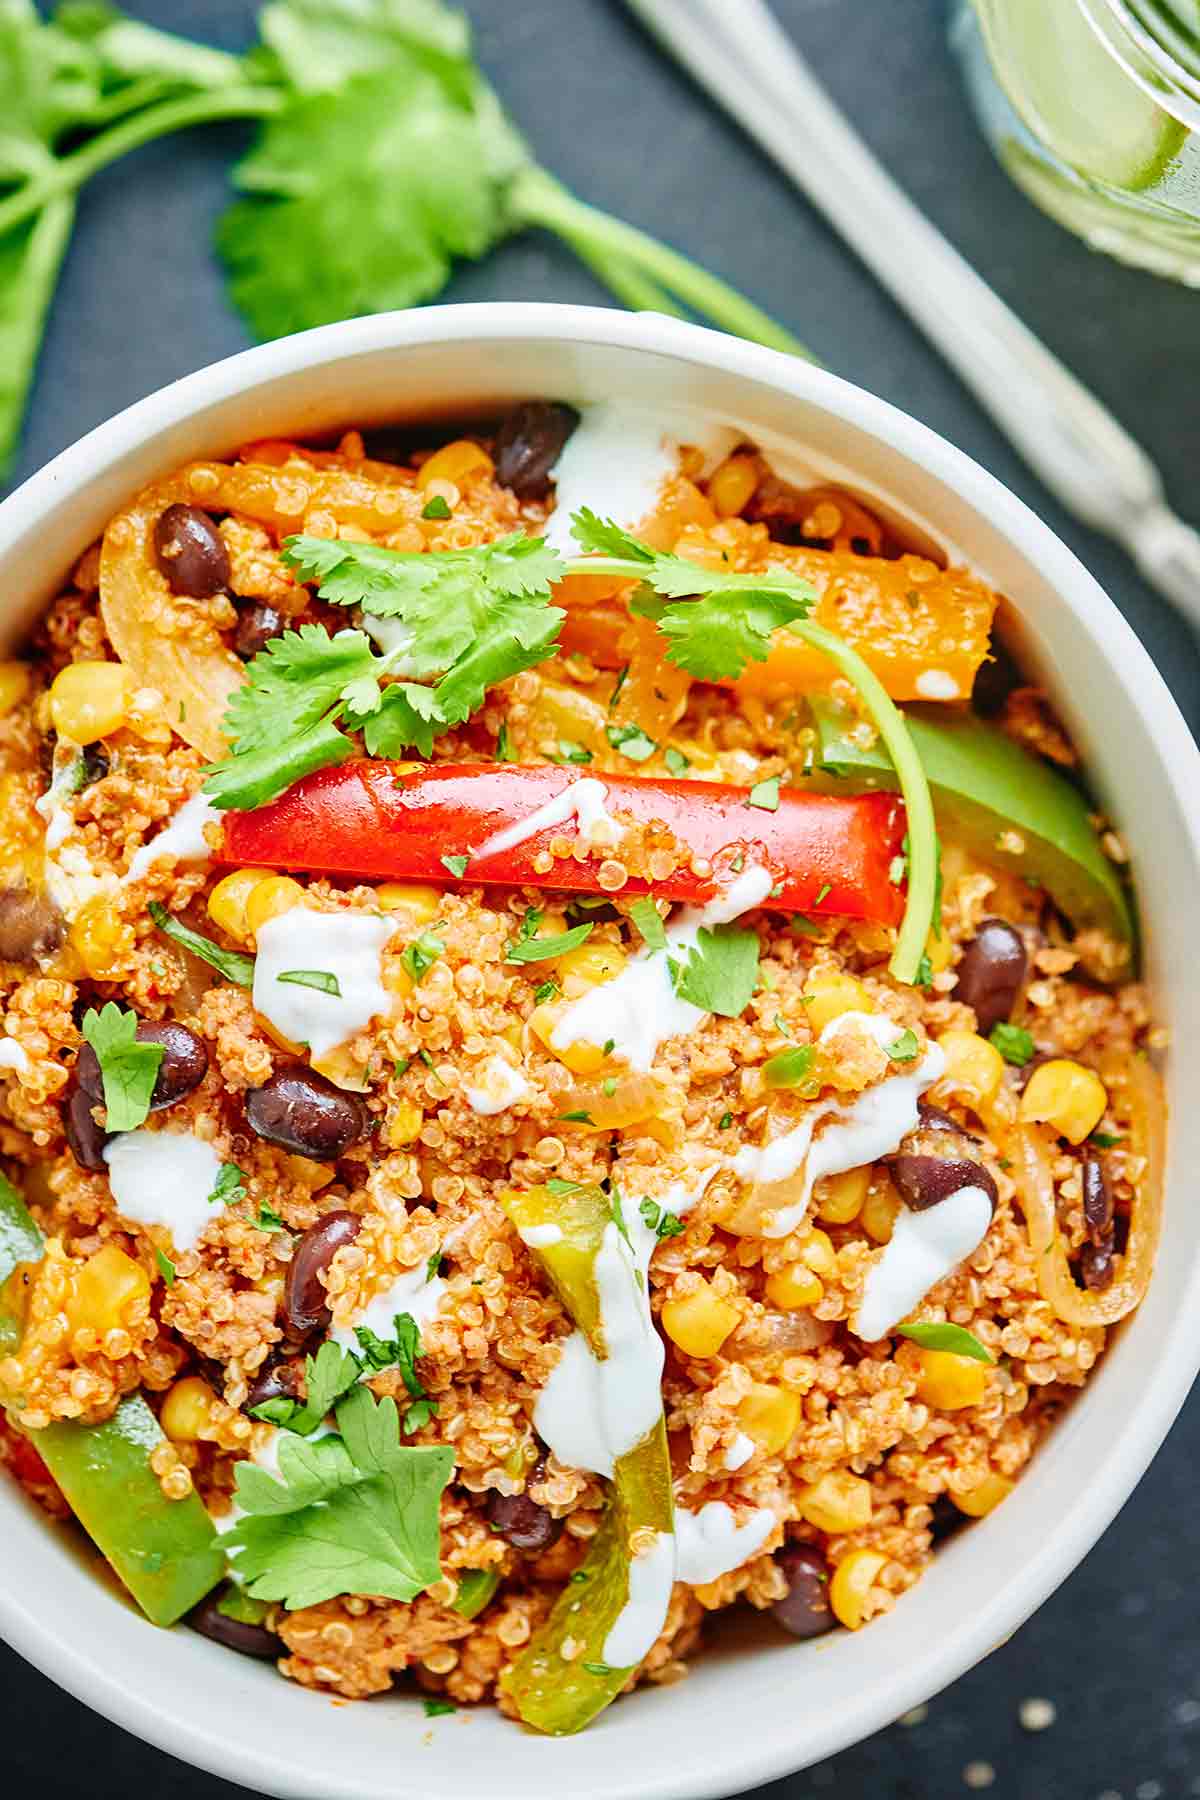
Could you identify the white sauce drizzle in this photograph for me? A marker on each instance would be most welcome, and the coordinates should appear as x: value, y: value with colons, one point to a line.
x: 740, y: 1452
x: 639, y: 1009
x: 13, y: 1055
x: 635, y: 1628
x: 183, y: 838
x: 164, y: 1178
x: 870, y: 1127
x: 347, y: 946
x: 71, y: 878
x: 923, y: 1249
x: 415, y: 1292
x: 711, y: 1542
x: 616, y: 461
x: 936, y: 684
x: 540, y: 1237
x: 582, y: 800
x: 501, y: 1086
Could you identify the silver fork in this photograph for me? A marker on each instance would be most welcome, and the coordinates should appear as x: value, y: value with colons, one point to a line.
x: 739, y: 53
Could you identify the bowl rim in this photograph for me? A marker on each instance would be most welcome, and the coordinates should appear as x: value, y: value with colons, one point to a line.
x: 45, y: 1640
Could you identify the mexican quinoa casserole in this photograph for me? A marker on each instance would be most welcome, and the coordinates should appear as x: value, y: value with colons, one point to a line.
x: 571, y: 1058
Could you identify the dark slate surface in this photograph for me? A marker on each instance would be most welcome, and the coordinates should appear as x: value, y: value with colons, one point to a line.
x: 1117, y: 1650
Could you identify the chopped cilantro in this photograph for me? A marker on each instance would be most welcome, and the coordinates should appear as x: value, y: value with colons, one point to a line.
x: 619, y: 683
x: 1014, y: 1043
x: 128, y: 1069
x: 662, y: 1223
x: 577, y: 1118
x: 676, y: 761
x: 436, y: 507
x: 905, y: 1047
x: 400, y: 1066
x: 631, y: 741
x: 457, y: 865
x: 725, y: 1121
x: 1105, y: 1140
x: 789, y: 1068
x: 531, y: 949
x: 419, y: 957
x: 545, y: 992
x: 503, y: 748
x: 934, y: 1336
x: 230, y: 963
x: 268, y: 1219
x: 571, y: 752
x: 721, y: 970
x: 229, y: 1187
x: 166, y: 1267
x: 436, y: 1709
x: 645, y: 916
x: 824, y: 889
x: 322, y: 981
x: 765, y: 794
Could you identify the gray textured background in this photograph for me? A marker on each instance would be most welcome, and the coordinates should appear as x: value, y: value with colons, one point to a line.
x: 1118, y: 1648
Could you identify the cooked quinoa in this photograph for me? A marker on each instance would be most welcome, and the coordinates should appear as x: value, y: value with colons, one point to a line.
x: 837, y: 1460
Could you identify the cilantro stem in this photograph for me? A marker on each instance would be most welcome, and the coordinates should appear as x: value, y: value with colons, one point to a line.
x: 67, y: 173
x: 540, y: 200
x: 634, y: 289
x: 922, y: 833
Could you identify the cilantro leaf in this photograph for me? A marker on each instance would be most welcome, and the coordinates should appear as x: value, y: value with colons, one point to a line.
x: 355, y: 1513
x: 435, y: 1709
x: 328, y: 1375
x: 419, y: 957
x: 716, y: 637
x: 292, y: 683
x: 662, y: 1223
x: 321, y: 980
x: 408, y: 717
x: 229, y: 1186
x: 904, y: 1049
x: 789, y: 1068
x: 645, y: 916
x: 1014, y: 1043
x: 166, y: 1267
x: 631, y: 741
x: 528, y: 949
x: 676, y: 761
x: 457, y: 865
x: 268, y: 1219
x: 935, y: 1336
x: 251, y: 779
x: 128, y: 1069
x: 765, y: 794
x: 231, y: 963
x: 436, y: 508
x: 720, y: 972
x: 400, y: 1351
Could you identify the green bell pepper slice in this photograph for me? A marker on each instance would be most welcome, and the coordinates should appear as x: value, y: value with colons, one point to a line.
x: 167, y: 1552
x: 554, y: 1693
x: 984, y: 785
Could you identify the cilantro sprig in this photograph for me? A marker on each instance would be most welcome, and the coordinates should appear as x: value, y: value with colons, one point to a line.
x: 471, y: 618
x: 128, y: 1069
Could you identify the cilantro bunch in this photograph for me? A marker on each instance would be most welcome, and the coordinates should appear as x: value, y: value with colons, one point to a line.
x: 383, y: 156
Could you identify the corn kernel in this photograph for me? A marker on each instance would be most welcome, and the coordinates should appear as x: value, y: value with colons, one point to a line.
x: 404, y: 1124
x: 101, y: 939
x: 699, y: 1323
x: 818, y: 1254
x: 107, y: 1289
x: 457, y: 462
x: 878, y: 1216
x: 837, y: 1503
x: 15, y: 682
x: 972, y: 1065
x: 270, y: 899
x: 830, y: 994
x: 838, y: 1199
x: 1066, y: 1095
x: 417, y: 902
x: 794, y: 1287
x: 732, y: 486
x: 187, y: 1410
x: 852, y: 1581
x: 227, y: 903
x: 88, y: 700
x: 589, y: 966
x: 769, y: 1415
x: 987, y: 1494
x: 948, y: 1382
x: 581, y: 1058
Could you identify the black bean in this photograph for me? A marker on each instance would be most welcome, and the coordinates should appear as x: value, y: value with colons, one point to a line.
x: 191, y: 552
x: 95, y: 765
x: 522, y: 1522
x: 183, y: 1066
x: 256, y: 626
x: 304, y: 1113
x: 529, y: 443
x: 804, y: 1611
x: 933, y: 1118
x: 1096, y: 1264
x: 30, y: 925
x: 276, y: 1381
x: 925, y: 1180
x: 991, y: 972
x: 303, y: 1291
x: 1097, y: 1198
x: 86, y: 1138
x: 234, y: 1634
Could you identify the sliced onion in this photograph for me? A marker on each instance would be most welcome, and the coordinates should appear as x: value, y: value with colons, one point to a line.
x: 1035, y: 1187
x: 775, y: 1334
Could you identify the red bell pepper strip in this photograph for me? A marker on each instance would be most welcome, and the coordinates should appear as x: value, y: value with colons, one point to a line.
x: 385, y: 822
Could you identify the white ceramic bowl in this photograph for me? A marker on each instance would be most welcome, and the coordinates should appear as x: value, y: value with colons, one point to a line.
x: 757, y: 1705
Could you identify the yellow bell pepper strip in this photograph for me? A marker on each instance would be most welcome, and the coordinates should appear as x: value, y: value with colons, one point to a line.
x: 166, y: 1552
x: 557, y: 1692
x: 985, y: 786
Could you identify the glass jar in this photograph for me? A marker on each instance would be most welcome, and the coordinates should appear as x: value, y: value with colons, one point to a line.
x: 1093, y: 106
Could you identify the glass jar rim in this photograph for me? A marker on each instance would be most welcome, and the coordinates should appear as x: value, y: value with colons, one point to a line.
x: 1156, y: 47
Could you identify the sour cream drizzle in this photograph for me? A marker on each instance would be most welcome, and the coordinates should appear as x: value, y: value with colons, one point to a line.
x: 639, y: 1009
x: 870, y: 1127
x: 582, y: 800
x: 923, y: 1249
x: 711, y: 1542
x: 164, y: 1178
x: 651, y: 1578
x: 346, y: 945
x: 13, y: 1055
x: 183, y: 838
x: 500, y: 1086
x: 415, y: 1292
x: 617, y: 460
